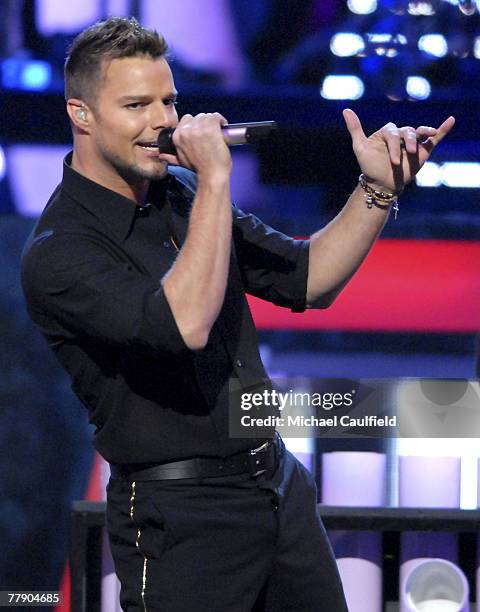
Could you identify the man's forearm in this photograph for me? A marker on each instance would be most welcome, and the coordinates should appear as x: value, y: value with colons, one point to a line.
x: 390, y: 158
x: 195, y: 285
x: 337, y: 250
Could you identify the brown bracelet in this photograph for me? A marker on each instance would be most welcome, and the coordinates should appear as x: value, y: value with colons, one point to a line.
x: 379, y: 199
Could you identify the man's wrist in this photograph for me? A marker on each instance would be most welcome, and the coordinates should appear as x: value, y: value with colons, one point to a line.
x: 213, y: 180
x: 380, y: 198
x: 377, y: 187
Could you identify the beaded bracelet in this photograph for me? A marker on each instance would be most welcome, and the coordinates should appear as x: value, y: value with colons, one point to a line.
x: 380, y: 199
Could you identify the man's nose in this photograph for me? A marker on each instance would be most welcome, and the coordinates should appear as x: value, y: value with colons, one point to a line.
x: 163, y: 116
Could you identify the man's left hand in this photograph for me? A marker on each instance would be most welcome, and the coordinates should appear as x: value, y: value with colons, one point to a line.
x: 391, y: 157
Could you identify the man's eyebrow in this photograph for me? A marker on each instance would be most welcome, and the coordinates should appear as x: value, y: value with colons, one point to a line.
x: 133, y: 97
x: 141, y: 97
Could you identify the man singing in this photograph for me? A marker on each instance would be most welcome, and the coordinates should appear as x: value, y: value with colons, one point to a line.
x: 136, y: 274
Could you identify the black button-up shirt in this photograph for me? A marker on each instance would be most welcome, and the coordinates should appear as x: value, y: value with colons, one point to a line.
x: 91, y: 273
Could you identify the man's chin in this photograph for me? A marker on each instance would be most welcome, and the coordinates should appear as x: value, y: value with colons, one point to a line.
x: 155, y: 173
x: 158, y: 171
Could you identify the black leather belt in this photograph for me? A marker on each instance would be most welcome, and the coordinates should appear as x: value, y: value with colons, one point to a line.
x: 253, y: 462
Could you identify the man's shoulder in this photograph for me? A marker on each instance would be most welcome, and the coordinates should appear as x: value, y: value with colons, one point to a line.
x: 54, y: 232
x: 59, y: 209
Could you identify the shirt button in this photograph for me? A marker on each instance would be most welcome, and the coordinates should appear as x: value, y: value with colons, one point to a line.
x: 239, y: 363
x: 166, y: 244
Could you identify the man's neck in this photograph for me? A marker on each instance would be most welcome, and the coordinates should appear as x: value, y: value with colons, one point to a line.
x: 134, y: 191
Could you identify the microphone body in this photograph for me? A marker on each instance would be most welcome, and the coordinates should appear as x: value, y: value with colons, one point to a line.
x: 233, y: 134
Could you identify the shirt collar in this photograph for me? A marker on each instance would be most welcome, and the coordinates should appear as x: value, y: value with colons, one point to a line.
x: 116, y: 211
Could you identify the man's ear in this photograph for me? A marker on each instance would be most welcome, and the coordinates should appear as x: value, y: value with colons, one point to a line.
x: 79, y: 113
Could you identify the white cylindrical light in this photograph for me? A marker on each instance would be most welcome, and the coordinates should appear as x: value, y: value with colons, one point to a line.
x: 428, y: 482
x: 436, y: 585
x: 356, y: 479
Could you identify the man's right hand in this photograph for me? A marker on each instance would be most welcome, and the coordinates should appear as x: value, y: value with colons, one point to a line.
x: 195, y: 285
x: 200, y: 145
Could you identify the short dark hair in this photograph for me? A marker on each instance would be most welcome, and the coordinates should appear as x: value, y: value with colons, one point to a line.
x: 114, y: 38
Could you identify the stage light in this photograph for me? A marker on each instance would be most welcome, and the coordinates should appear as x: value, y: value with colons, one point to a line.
x: 476, y: 47
x: 36, y: 76
x: 433, y: 44
x: 429, y: 176
x: 346, y: 44
x: 461, y: 174
x: 342, y: 87
x: 467, y: 7
x: 3, y: 164
x: 451, y: 174
x: 417, y: 9
x: 384, y: 44
x: 418, y: 87
x: 377, y: 38
x: 362, y: 7
x: 28, y: 75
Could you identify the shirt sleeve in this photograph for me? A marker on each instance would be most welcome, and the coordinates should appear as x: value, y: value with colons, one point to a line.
x: 75, y: 288
x: 273, y: 266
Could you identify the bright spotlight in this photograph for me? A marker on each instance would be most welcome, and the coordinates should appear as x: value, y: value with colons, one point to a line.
x: 37, y: 76
x: 342, y: 87
x: 433, y: 44
x: 461, y: 174
x: 429, y: 176
x: 418, y: 87
x: 346, y: 44
x: 476, y: 47
x: 27, y: 75
x: 362, y: 7
x: 467, y: 7
x: 417, y: 9
x: 3, y: 164
x: 465, y: 175
x: 384, y: 43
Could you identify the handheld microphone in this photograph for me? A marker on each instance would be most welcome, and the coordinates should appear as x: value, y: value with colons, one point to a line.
x: 233, y: 134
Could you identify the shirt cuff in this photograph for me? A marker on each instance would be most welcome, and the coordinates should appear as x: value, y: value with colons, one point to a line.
x: 162, y: 325
x: 299, y: 303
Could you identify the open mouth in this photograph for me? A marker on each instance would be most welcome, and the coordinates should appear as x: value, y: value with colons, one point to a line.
x: 149, y: 146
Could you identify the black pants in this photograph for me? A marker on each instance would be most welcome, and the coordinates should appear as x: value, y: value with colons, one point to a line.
x: 226, y: 544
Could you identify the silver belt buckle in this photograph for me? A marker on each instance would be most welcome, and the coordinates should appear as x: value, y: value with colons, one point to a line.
x: 254, y: 451
x: 255, y: 462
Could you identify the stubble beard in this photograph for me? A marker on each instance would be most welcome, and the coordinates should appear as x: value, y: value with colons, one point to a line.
x: 133, y: 174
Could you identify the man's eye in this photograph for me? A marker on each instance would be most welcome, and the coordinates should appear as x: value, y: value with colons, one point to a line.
x: 170, y: 102
x: 134, y: 105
